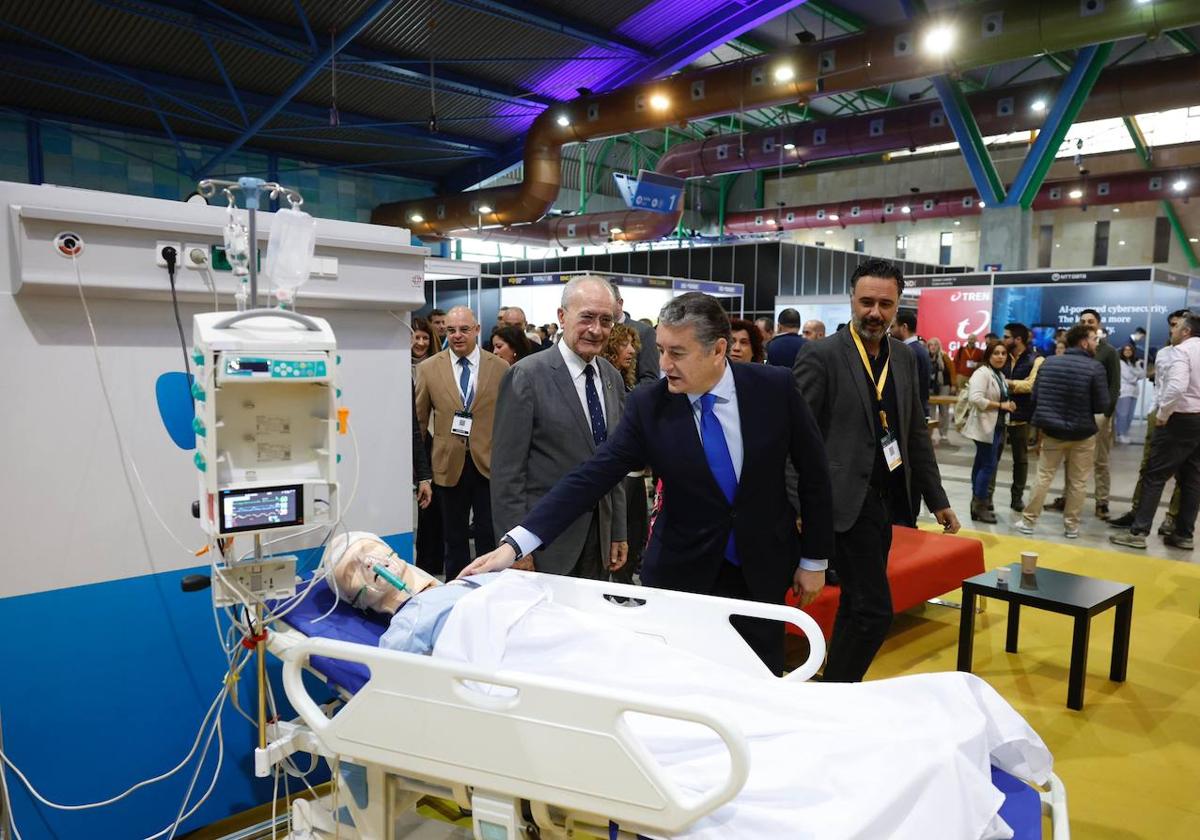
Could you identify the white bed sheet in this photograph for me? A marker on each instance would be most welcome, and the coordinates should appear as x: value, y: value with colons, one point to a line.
x: 899, y: 758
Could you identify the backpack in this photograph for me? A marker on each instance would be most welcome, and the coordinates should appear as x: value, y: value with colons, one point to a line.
x: 962, y: 409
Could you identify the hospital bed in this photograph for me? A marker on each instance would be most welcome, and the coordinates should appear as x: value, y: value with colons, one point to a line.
x: 530, y: 756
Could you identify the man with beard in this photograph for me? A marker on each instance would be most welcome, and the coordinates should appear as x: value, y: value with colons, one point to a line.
x: 862, y: 387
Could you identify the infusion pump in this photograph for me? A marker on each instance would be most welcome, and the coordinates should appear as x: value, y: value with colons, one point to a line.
x: 265, y: 421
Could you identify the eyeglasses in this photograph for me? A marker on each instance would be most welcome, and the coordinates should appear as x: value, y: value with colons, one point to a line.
x: 590, y: 318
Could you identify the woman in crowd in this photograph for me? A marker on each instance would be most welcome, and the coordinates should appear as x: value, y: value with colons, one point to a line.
x: 510, y: 344
x: 422, y: 341
x: 429, y: 548
x: 746, y: 344
x: 941, y: 384
x: 1131, y: 374
x: 622, y: 352
x: 990, y: 407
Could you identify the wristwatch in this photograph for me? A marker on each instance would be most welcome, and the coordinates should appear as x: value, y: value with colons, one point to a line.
x: 511, y: 543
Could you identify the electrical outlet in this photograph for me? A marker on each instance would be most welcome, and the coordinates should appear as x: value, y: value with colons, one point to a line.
x: 195, y: 256
x: 158, y: 249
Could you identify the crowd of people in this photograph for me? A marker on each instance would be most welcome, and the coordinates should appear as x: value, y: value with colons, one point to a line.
x: 776, y: 456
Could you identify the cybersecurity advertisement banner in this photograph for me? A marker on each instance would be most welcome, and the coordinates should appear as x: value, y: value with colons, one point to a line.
x: 1123, y: 307
x: 950, y: 315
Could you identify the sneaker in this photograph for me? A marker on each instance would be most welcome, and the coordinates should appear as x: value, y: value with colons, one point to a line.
x: 1122, y: 521
x: 1128, y: 539
x: 1186, y: 543
x: 1167, y: 527
x: 1071, y: 533
x: 1102, y: 512
x: 1059, y: 504
x: 1024, y: 527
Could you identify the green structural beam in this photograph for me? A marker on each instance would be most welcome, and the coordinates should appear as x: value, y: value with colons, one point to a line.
x: 1139, y: 143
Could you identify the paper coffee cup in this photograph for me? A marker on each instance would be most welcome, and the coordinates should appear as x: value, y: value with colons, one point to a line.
x: 1003, y: 575
x: 1029, y: 562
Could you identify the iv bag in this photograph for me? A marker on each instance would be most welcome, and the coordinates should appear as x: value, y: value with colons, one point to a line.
x: 290, y: 250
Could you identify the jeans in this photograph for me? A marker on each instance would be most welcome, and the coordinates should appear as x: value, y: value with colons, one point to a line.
x: 1124, y: 418
x: 1018, y: 445
x: 987, y: 455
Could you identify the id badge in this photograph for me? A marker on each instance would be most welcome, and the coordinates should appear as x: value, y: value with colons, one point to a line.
x: 891, y: 452
x: 461, y: 424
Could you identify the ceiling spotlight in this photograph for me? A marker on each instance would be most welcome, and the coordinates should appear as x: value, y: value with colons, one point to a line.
x: 484, y: 209
x: 906, y: 209
x: 1075, y: 194
x: 416, y: 218
x: 957, y: 223
x: 1120, y: 241
x: 1116, y: 209
x: 828, y: 233
x: 1193, y: 239
x: 614, y: 230
x: 563, y: 120
x: 983, y: 204
x: 784, y: 73
x: 659, y: 102
x: 939, y: 40
x: 1038, y: 105
x: 833, y: 217
x: 1180, y: 185
x: 787, y: 147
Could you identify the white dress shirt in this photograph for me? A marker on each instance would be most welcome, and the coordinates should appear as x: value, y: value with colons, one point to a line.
x: 456, y: 370
x: 726, y: 410
x: 1180, y: 392
x: 575, y: 366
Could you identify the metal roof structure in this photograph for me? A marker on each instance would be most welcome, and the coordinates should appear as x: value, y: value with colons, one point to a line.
x: 437, y: 90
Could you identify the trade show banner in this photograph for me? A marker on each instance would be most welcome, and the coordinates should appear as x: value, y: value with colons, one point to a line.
x: 952, y: 314
x: 1123, y: 306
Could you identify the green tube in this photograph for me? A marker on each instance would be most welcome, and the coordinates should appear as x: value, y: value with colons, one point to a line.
x: 382, y: 571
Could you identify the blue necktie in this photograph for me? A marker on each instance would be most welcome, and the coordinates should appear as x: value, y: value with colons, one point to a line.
x: 716, y: 451
x: 464, y: 381
x: 595, y: 410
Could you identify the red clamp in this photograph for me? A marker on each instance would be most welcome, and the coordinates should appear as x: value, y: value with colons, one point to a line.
x: 251, y: 642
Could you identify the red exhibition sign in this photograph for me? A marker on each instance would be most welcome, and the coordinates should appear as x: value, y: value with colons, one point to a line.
x: 950, y: 315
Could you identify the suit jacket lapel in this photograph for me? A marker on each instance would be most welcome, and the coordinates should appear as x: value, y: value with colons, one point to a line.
x: 561, y: 376
x: 485, y: 375
x: 682, y: 428
x: 902, y: 384
x: 449, y: 380
x: 746, y: 417
x: 611, y: 397
x: 855, y: 366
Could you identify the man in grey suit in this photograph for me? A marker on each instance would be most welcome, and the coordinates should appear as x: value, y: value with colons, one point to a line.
x: 553, y: 412
x: 647, y: 360
x: 862, y: 387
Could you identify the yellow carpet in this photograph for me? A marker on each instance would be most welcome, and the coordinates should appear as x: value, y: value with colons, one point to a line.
x: 1131, y: 759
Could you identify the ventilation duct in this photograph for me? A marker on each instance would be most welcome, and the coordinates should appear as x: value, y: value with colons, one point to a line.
x: 984, y: 34
x: 1119, y: 92
x: 585, y: 229
x: 1098, y: 190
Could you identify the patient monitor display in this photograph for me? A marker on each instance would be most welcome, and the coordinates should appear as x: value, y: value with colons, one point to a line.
x: 269, y: 507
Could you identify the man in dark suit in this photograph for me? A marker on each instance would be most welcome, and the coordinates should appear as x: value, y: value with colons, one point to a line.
x: 787, y: 342
x: 726, y: 526
x: 905, y: 331
x: 647, y: 360
x: 862, y: 387
x: 554, y: 410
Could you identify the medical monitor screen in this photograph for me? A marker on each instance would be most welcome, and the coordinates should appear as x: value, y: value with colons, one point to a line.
x: 267, y: 507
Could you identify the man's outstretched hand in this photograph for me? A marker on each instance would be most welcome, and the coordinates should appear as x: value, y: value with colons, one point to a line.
x: 493, y: 561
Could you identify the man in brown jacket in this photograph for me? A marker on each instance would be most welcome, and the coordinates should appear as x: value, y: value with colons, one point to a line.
x: 458, y: 388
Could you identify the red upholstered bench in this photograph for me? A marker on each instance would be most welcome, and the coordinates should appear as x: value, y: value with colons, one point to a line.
x: 921, y: 565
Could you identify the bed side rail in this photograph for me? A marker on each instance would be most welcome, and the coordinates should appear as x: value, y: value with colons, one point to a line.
x: 555, y: 741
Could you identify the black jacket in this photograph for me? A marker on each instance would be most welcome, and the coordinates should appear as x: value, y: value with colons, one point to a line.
x: 1020, y: 370
x: 1070, y: 390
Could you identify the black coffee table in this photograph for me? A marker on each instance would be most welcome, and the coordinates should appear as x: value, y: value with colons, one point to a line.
x: 1061, y: 592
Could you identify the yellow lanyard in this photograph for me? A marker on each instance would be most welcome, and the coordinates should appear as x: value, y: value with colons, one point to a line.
x: 881, y: 381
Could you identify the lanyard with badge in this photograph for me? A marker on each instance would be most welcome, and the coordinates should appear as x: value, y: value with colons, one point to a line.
x: 891, y: 448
